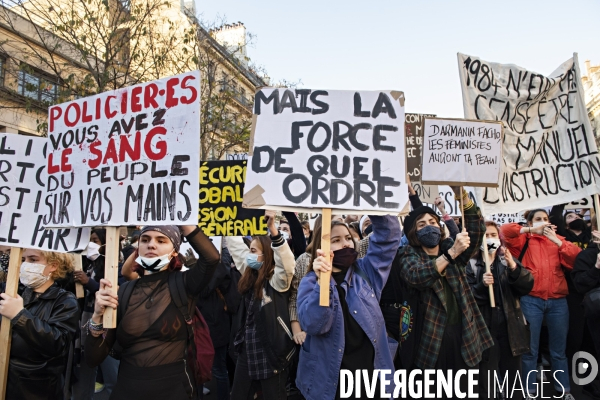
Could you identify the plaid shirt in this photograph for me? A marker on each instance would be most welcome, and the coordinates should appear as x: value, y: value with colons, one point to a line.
x: 301, y: 269
x: 258, y: 364
x: 419, y: 271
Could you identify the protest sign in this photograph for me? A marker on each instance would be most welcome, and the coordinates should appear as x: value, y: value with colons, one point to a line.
x: 22, y: 198
x: 426, y: 193
x: 507, y: 218
x: 221, y: 212
x: 460, y: 152
x: 586, y: 202
x: 327, y: 149
x: 126, y: 157
x: 237, y: 156
x: 413, y: 128
x: 549, y: 152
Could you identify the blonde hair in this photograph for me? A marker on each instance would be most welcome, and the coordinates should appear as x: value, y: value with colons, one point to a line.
x: 64, y: 263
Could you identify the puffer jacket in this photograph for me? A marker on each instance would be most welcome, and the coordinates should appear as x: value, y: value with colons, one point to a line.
x: 544, y: 259
x: 41, y: 335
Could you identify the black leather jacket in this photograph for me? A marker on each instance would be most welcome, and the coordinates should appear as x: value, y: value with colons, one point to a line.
x: 513, y: 285
x: 41, y: 336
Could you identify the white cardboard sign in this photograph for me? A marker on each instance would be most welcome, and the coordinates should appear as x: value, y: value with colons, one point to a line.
x: 327, y: 149
x: 126, y: 157
x: 461, y: 152
x: 549, y: 150
x: 23, y: 201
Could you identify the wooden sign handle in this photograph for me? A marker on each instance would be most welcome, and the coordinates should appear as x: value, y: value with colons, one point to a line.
x: 488, y: 269
x: 324, y: 278
x: 111, y: 273
x: 597, y: 211
x: 78, y: 266
x: 485, y: 248
x: 12, y: 286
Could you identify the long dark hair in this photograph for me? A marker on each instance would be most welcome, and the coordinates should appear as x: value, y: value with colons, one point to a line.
x: 256, y: 279
x: 412, y: 237
x: 316, y: 242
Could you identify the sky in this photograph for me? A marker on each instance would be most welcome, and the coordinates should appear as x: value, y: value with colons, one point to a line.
x: 408, y: 45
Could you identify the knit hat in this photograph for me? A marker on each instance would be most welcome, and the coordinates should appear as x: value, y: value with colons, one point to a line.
x: 414, y: 215
x: 170, y: 231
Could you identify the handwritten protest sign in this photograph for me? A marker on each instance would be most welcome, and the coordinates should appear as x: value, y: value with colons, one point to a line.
x: 549, y: 152
x: 507, y: 218
x: 413, y: 127
x: 127, y: 157
x: 586, y: 202
x: 22, y: 198
x: 461, y: 152
x: 221, y: 212
x: 327, y: 149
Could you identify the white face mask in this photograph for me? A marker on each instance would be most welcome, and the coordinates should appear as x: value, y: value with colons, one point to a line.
x: 538, y: 223
x: 153, y: 264
x: 285, y: 235
x: 493, y: 244
x: 31, y: 275
x: 92, y: 251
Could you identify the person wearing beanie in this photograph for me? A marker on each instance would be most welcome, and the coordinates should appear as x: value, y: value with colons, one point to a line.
x: 151, y: 329
x: 448, y: 331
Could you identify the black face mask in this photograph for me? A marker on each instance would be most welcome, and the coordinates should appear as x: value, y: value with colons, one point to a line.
x: 577, y: 224
x: 429, y: 236
x: 368, y: 230
x: 344, y: 258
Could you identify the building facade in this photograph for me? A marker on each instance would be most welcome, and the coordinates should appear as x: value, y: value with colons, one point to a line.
x: 591, y: 84
x: 142, y: 40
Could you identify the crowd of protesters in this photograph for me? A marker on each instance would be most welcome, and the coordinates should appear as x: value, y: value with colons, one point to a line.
x: 407, y: 296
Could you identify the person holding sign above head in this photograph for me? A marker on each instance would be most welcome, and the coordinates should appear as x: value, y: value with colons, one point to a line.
x: 350, y: 333
x: 510, y: 281
x: 44, y: 320
x: 263, y: 340
x: 452, y: 333
x: 151, y: 324
x: 545, y: 254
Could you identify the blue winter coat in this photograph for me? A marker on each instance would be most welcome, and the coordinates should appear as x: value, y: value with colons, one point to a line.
x: 321, y: 353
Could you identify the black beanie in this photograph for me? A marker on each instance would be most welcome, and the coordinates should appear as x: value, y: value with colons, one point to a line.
x: 414, y: 215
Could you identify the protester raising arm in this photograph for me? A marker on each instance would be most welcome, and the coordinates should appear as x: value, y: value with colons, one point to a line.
x: 197, y: 278
x: 448, y: 220
x: 283, y: 256
x: 413, y: 197
x: 298, y: 239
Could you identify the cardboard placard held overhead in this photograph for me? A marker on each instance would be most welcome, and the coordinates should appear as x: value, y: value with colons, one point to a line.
x: 127, y: 157
x: 413, y: 129
x: 460, y: 152
x: 25, y: 209
x: 327, y: 149
x: 549, y: 150
x: 221, y: 192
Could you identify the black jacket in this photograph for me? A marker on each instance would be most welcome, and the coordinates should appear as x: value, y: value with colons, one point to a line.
x: 513, y: 285
x: 41, y: 336
x: 273, y: 326
x: 212, y: 302
x: 585, y: 275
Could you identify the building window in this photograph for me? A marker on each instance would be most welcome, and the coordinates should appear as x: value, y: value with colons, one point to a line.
x: 37, y: 87
x: 2, y: 68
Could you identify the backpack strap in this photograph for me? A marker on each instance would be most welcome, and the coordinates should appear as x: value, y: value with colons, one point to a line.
x: 124, y: 300
x: 524, y: 250
x: 179, y: 296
